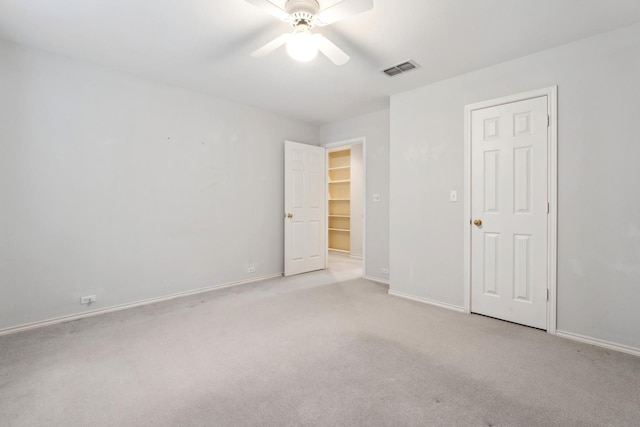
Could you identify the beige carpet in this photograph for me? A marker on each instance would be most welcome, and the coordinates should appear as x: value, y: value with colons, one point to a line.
x: 309, y: 350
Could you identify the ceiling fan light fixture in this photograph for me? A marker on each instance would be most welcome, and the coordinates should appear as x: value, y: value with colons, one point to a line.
x: 303, y: 15
x: 302, y: 46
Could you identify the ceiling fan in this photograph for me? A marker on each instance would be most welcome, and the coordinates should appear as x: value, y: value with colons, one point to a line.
x: 303, y: 15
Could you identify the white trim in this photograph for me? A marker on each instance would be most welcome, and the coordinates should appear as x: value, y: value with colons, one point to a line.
x: 552, y: 186
x: 376, y: 279
x: 427, y: 301
x: 466, y: 267
x: 332, y: 146
x: 552, y: 220
x: 340, y: 251
x: 68, y: 318
x: 346, y: 142
x: 600, y: 343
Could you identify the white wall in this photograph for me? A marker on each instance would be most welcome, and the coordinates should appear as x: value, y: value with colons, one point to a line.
x: 375, y: 127
x: 127, y: 189
x: 598, y: 174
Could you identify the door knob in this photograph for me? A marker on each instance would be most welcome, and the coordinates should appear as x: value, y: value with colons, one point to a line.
x: 477, y: 222
x: 289, y: 215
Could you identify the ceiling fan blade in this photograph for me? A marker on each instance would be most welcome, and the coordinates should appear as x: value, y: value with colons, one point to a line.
x: 330, y: 50
x: 271, y: 46
x: 270, y: 7
x: 338, y: 11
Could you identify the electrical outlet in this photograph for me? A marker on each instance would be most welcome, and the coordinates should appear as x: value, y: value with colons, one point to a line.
x: 384, y: 270
x: 251, y: 269
x: 88, y: 300
x: 375, y: 197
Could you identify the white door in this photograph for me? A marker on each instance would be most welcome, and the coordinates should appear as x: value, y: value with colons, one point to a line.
x: 509, y: 208
x: 304, y: 207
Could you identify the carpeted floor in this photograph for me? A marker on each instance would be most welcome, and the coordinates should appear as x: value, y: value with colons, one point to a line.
x: 323, y: 348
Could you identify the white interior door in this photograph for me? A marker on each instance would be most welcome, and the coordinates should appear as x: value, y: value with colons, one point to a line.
x: 304, y: 207
x: 509, y: 208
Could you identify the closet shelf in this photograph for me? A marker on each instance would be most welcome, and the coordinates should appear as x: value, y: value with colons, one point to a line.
x: 339, y: 194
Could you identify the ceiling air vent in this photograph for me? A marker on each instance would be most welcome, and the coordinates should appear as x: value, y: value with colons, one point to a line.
x: 400, y: 68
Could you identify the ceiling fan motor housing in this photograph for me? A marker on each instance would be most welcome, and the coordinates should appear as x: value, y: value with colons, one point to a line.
x: 302, y: 11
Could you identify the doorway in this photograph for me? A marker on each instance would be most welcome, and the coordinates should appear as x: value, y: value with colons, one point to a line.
x: 510, y: 197
x: 346, y: 205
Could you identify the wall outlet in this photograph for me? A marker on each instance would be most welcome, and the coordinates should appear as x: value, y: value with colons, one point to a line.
x: 251, y: 269
x: 88, y: 300
x: 384, y: 270
x: 375, y: 197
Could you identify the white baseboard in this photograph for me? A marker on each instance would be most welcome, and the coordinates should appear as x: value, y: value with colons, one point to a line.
x: 68, y: 318
x: 600, y: 343
x: 377, y: 279
x: 427, y: 301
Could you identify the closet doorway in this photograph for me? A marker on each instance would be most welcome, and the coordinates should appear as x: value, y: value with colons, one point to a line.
x: 346, y: 203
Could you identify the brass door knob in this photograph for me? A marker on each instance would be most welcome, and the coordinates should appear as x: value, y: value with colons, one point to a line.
x: 289, y: 215
x: 477, y: 222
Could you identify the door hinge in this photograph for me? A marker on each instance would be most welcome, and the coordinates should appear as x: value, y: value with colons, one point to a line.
x: 547, y: 294
x: 548, y: 120
x: 548, y: 208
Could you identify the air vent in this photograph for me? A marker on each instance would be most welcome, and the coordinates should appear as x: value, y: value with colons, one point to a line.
x: 401, y: 68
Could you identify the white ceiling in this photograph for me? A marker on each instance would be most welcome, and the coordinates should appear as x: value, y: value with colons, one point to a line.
x: 205, y: 44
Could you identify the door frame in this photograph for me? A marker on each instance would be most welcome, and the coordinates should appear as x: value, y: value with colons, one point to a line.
x: 552, y: 192
x: 332, y: 146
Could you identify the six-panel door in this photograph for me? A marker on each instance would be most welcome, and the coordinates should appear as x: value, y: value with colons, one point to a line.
x: 509, y: 205
x: 304, y: 204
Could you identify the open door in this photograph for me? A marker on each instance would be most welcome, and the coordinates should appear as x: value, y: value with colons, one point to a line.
x: 304, y: 206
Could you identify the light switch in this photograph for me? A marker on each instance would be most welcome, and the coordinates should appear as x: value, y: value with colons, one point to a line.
x: 453, y: 196
x: 376, y: 197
